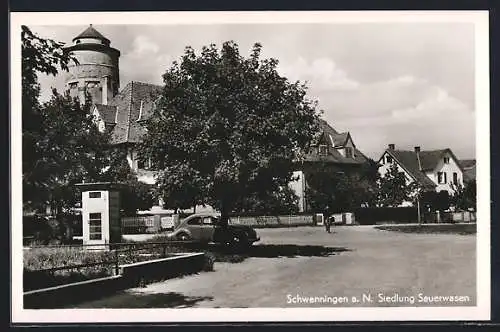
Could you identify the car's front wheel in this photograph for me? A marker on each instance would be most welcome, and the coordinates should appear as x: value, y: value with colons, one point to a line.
x: 183, y: 237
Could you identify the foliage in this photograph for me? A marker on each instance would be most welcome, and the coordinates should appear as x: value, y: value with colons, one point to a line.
x: 340, y: 191
x: 136, y: 195
x: 435, y: 201
x: 464, y: 197
x: 226, y: 127
x: 393, y: 189
x: 284, y: 201
x: 61, y: 144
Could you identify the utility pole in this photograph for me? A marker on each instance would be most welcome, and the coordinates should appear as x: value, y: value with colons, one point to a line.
x: 418, y: 210
x: 419, y: 216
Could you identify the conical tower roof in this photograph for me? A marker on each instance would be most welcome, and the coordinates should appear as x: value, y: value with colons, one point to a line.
x: 90, y: 32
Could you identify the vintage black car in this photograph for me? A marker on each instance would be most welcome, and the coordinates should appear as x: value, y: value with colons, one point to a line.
x: 209, y: 228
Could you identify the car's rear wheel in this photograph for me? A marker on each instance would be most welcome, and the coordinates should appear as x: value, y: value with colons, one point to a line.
x: 240, y: 241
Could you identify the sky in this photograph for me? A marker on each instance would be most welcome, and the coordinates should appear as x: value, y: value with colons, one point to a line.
x: 410, y: 84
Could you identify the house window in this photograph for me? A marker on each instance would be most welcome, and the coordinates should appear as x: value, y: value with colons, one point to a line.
x: 442, y: 177
x: 455, y: 178
x: 95, y: 194
x: 323, y: 150
x: 446, y: 160
x: 388, y: 159
x: 348, y: 152
x: 95, y: 226
x: 143, y: 163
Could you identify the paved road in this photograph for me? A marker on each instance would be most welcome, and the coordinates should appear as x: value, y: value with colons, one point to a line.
x: 352, y: 261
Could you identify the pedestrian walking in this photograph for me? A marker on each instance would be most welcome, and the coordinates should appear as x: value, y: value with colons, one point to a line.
x: 326, y: 217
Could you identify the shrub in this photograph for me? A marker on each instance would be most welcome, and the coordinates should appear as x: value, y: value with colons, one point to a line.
x: 208, y: 265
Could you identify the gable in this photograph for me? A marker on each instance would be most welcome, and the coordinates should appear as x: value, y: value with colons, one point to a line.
x: 409, y: 162
x: 335, y: 143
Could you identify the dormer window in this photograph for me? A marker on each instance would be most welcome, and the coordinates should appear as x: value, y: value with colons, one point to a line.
x: 323, y: 149
x: 348, y: 152
x: 139, y: 118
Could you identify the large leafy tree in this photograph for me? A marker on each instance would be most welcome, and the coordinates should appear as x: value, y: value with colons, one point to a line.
x: 464, y: 196
x: 339, y: 191
x: 393, y: 189
x: 226, y: 127
x: 281, y: 202
x: 61, y: 144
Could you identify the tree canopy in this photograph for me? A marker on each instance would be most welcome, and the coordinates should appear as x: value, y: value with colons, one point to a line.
x: 393, y: 188
x: 464, y: 196
x: 61, y: 144
x: 135, y: 195
x: 226, y: 127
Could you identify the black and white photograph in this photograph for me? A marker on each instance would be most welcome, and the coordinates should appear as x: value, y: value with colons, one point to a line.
x: 250, y: 166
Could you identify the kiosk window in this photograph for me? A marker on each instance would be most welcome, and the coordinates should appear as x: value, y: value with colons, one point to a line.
x: 95, y: 226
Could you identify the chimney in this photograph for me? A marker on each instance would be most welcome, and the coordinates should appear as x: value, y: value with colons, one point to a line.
x: 105, y: 90
x: 417, y: 151
x: 391, y: 146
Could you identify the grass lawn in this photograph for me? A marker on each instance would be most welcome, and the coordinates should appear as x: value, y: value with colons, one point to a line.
x: 460, y: 229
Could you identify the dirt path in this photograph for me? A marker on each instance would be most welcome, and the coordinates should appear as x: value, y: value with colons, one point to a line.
x: 362, y: 261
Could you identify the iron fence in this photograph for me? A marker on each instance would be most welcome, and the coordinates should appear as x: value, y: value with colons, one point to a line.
x: 116, y: 254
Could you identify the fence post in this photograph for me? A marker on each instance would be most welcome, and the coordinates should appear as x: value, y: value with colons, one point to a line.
x: 117, y: 265
x: 164, y: 250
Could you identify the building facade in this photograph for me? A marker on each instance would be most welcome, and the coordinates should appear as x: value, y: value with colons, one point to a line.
x: 436, y: 170
x: 334, y: 151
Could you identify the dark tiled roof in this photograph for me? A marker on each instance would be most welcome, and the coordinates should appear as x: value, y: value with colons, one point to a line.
x: 467, y: 163
x: 469, y: 167
x: 128, y: 108
x: 107, y: 113
x: 90, y: 32
x: 333, y: 155
x: 430, y: 159
x: 409, y: 161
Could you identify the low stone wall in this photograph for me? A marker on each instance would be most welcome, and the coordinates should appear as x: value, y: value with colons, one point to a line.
x: 64, y: 295
x: 131, y: 275
x: 163, y: 268
x: 275, y: 221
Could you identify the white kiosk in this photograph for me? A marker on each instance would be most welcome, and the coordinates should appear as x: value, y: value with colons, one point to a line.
x: 100, y: 214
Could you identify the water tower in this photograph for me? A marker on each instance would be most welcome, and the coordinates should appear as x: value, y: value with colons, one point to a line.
x: 97, y: 70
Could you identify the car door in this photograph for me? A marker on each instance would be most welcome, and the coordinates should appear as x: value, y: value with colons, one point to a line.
x: 194, y: 226
x: 207, y: 229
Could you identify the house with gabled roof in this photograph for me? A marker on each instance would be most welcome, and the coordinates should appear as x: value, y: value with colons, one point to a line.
x: 333, y: 150
x: 123, y: 116
x: 434, y: 170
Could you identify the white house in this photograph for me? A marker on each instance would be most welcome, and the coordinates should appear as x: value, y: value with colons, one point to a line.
x: 435, y: 170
